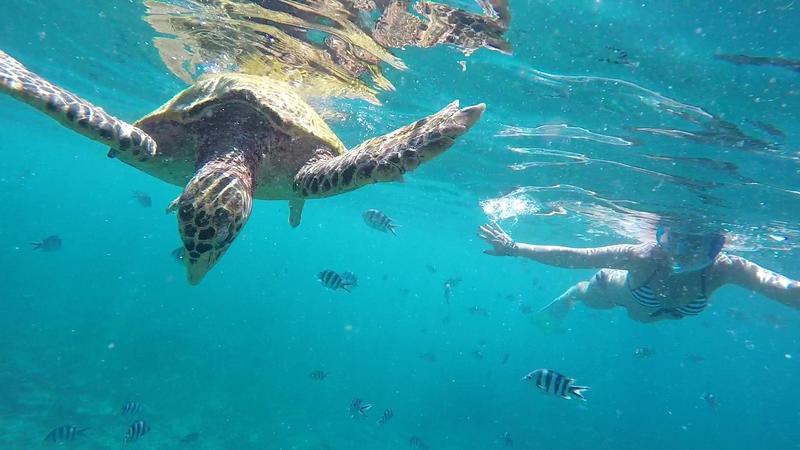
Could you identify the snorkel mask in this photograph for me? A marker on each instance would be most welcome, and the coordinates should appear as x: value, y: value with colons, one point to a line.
x: 689, y: 252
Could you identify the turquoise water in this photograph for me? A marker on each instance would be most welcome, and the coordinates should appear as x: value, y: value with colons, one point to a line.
x: 109, y: 318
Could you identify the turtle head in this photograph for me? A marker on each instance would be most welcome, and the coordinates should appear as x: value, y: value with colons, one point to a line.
x: 211, y: 211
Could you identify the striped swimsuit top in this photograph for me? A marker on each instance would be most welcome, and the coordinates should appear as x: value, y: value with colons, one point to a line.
x: 645, y: 296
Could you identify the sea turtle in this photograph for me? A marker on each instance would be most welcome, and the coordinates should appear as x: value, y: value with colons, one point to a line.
x: 231, y: 137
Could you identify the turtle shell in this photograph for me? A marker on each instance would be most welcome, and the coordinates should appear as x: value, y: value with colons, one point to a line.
x: 275, y: 99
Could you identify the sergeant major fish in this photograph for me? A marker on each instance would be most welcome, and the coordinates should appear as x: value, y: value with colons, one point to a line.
x: 507, y: 441
x: 417, y: 442
x: 48, y: 244
x: 386, y: 416
x: 334, y: 281
x: 379, y: 221
x: 143, y: 199
x: 710, y: 399
x: 358, y: 408
x: 64, y: 433
x: 449, y: 284
x: 555, y: 383
x: 135, y: 431
x: 131, y: 408
x: 318, y: 375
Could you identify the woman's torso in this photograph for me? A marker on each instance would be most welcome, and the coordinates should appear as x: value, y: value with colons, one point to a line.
x: 651, y: 291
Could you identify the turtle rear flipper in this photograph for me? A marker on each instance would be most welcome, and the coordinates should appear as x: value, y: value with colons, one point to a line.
x: 388, y: 157
x: 128, y: 142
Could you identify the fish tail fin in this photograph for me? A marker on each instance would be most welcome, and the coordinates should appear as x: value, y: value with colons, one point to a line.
x: 346, y: 287
x: 578, y: 391
x: 36, y: 245
x: 350, y: 279
x: 83, y: 430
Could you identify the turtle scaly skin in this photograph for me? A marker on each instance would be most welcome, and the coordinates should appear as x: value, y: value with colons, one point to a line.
x: 233, y: 137
x: 388, y: 157
x: 129, y: 142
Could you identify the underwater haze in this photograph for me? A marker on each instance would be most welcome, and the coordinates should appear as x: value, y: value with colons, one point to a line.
x: 600, y: 116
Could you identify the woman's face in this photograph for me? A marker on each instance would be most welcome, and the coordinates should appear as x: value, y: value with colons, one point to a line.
x: 688, y: 252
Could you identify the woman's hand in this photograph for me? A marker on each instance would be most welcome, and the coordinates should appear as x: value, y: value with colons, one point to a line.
x: 501, y: 242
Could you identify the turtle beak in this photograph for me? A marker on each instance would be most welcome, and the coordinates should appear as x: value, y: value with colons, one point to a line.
x: 195, y: 271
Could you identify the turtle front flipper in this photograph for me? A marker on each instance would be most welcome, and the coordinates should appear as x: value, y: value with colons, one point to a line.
x: 128, y: 142
x: 388, y: 157
x: 212, y: 209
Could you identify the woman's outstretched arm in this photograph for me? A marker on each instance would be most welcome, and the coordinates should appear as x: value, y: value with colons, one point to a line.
x: 613, y: 257
x: 749, y: 275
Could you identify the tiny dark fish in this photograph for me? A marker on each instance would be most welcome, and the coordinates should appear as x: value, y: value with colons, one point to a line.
x: 525, y: 309
x: 774, y: 320
x: 477, y: 354
x: 386, y: 416
x: 190, y: 438
x: 64, y: 433
x: 505, y: 359
x: 143, y: 198
x: 48, y: 244
x: 379, y: 221
x: 507, y: 441
x: 478, y: 311
x: 449, y: 285
x: 318, y: 375
x: 417, y: 442
x: 431, y: 268
x: 131, y: 408
x: 429, y: 357
x: 643, y: 352
x: 737, y: 314
x: 770, y: 129
x: 695, y: 358
x: 556, y: 384
x: 710, y: 399
x: 358, y: 408
x: 135, y: 431
x: 178, y: 254
x: 334, y: 281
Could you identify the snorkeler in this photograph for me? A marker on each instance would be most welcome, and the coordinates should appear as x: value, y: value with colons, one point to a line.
x: 670, y: 278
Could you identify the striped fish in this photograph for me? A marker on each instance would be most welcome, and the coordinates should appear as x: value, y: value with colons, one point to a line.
x: 386, y: 416
x: 135, y: 431
x: 64, y: 433
x: 318, y: 375
x: 358, y: 408
x: 131, y: 408
x: 555, y: 383
x: 334, y: 281
x: 417, y: 442
x: 379, y: 221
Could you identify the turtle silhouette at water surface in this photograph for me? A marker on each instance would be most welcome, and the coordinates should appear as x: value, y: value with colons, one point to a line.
x: 233, y: 137
x: 325, y: 48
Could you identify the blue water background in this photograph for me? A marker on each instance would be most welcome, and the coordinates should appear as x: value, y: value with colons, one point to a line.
x: 109, y: 318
